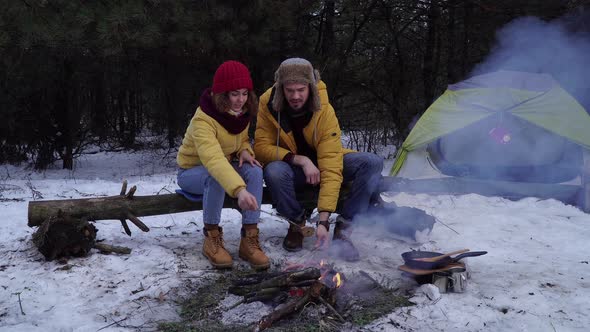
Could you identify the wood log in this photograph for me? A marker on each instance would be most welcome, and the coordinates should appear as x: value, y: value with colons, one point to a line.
x: 117, y: 207
x: 112, y: 207
x: 107, y: 248
x: 254, y: 278
x: 286, y: 279
x: 275, y: 295
x: 313, y: 293
x: 120, y: 207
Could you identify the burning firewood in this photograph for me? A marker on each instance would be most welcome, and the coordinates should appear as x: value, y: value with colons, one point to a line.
x: 317, y: 292
x: 308, y: 285
x: 313, y: 293
x: 286, y: 279
x: 255, y: 278
x: 264, y: 295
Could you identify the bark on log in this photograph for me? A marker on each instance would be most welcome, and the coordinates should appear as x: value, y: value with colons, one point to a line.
x: 107, y: 248
x: 121, y: 206
x: 254, y: 278
x: 118, y: 207
x: 286, y: 279
x: 313, y: 293
x: 289, y: 308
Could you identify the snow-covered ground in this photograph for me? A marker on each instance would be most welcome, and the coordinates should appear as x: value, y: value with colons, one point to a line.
x: 536, y: 276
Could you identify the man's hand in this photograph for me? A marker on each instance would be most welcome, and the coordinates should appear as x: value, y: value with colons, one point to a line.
x: 312, y: 173
x: 247, y: 201
x: 245, y: 156
x: 323, y: 237
x: 322, y: 233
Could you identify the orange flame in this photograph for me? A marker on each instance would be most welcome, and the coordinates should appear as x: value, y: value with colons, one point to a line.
x: 336, y: 279
x: 322, y: 263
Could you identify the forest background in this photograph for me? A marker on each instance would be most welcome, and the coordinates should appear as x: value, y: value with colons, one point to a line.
x: 79, y: 74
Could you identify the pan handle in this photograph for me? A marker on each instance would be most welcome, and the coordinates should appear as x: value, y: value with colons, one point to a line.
x: 469, y: 254
x: 441, y: 256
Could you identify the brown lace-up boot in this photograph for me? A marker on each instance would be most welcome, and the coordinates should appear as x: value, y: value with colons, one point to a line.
x: 214, y: 249
x: 341, y: 243
x: 294, y: 239
x: 250, y: 250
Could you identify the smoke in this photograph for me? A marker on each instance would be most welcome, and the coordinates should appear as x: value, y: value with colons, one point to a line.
x: 505, y: 148
x: 559, y: 48
x: 404, y: 223
x: 530, y: 44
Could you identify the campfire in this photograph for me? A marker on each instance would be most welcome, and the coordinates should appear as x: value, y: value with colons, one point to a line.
x: 291, y: 290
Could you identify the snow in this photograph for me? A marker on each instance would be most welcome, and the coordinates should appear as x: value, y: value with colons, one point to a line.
x: 535, y: 277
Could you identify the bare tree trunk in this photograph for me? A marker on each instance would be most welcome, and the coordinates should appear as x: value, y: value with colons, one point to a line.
x: 467, y: 26
x: 99, y: 108
x: 429, y: 70
x: 452, y: 76
x: 328, y: 32
x: 63, y: 114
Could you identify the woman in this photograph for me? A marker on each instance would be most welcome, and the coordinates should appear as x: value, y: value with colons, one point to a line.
x: 216, y: 158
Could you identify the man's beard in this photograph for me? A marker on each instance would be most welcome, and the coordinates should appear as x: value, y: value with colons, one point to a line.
x: 300, y: 105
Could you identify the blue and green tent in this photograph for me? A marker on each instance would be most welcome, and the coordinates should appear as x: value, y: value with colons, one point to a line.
x: 506, y: 133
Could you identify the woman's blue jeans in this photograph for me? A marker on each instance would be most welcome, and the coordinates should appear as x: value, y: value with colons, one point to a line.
x: 363, y: 169
x: 198, y: 181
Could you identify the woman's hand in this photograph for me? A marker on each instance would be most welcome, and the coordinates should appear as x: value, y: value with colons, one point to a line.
x: 247, y: 201
x: 245, y: 156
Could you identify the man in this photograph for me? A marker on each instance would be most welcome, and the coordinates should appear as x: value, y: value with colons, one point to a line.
x: 298, y: 139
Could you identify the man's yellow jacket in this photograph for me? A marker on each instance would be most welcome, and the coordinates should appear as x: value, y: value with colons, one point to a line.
x: 273, y: 142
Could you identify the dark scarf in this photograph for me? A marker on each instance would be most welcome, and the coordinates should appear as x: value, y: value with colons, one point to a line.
x: 233, y: 124
x: 302, y: 116
x: 294, y: 121
x: 297, y: 124
x: 299, y: 119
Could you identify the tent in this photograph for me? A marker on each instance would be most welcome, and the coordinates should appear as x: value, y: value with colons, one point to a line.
x: 506, y: 133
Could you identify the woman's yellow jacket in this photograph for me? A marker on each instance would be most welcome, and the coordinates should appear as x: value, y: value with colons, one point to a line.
x: 206, y: 142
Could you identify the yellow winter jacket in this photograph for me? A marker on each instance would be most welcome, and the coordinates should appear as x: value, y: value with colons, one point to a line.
x: 322, y: 133
x: 206, y: 142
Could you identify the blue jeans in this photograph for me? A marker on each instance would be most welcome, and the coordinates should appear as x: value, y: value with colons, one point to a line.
x: 363, y: 169
x: 197, y: 180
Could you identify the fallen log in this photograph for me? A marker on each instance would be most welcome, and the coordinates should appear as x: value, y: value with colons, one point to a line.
x: 129, y: 207
x: 113, y: 207
x: 121, y: 207
x: 64, y: 228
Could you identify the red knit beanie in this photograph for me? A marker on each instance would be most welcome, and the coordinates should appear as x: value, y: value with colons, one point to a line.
x: 231, y: 75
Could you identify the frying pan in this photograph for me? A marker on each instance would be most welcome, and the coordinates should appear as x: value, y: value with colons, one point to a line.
x: 410, y: 259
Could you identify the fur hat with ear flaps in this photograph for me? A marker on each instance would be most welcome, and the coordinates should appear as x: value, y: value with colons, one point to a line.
x: 296, y: 70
